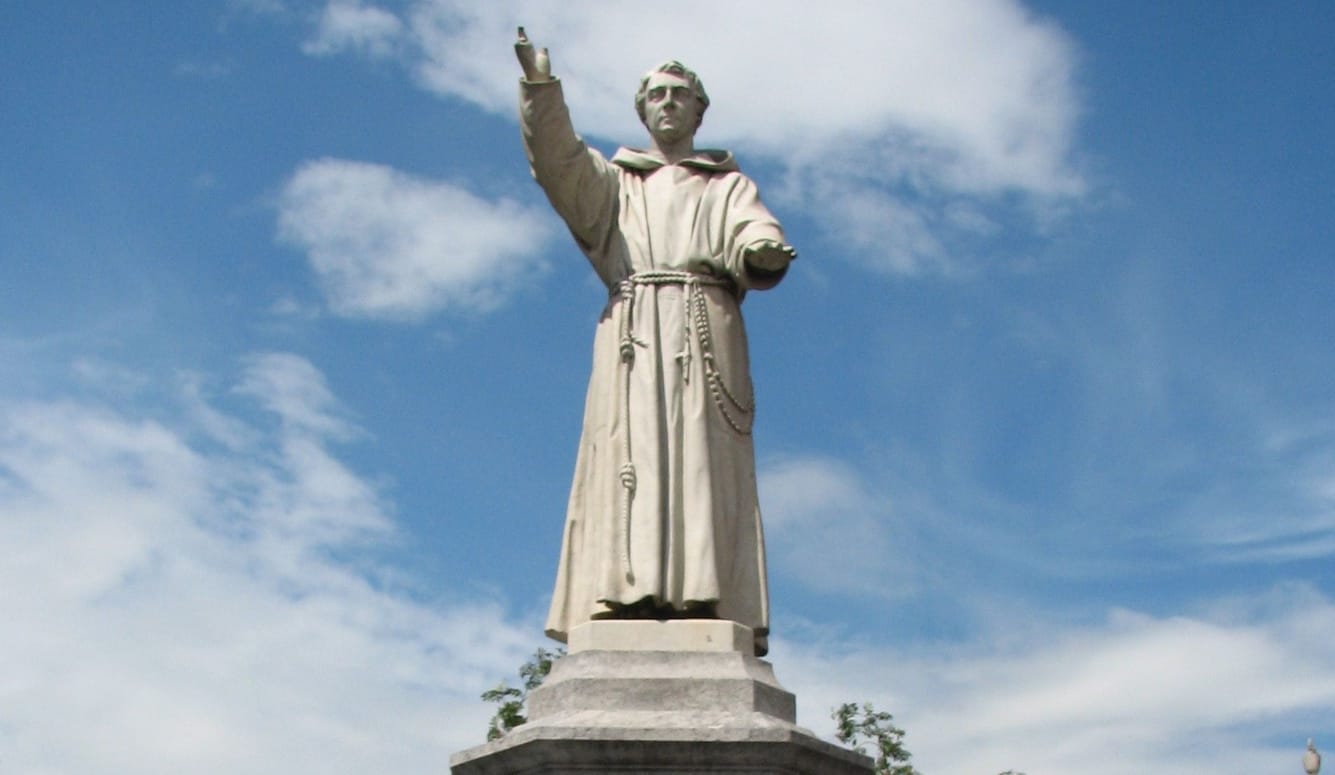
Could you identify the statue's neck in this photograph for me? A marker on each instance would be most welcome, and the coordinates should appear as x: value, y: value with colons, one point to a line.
x: 672, y: 153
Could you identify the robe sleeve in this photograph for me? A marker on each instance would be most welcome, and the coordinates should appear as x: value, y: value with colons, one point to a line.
x: 749, y: 222
x: 579, y: 182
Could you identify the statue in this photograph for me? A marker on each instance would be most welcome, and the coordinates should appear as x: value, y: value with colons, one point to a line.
x: 663, y: 520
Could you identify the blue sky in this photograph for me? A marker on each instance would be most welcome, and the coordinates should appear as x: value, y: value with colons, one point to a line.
x: 294, y: 356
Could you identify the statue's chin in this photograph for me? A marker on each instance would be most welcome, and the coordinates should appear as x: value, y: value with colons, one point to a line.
x: 670, y: 135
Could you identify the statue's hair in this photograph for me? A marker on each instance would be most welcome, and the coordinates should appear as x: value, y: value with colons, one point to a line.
x: 676, y: 68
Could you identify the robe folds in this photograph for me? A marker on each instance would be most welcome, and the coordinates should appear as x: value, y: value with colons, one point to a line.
x: 663, y: 505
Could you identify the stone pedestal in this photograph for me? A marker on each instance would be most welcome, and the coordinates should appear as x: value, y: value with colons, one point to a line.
x: 671, y: 698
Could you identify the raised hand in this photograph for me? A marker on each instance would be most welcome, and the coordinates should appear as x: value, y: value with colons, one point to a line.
x: 536, y: 62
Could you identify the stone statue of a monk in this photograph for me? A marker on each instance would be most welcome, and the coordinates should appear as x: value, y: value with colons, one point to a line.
x: 663, y: 520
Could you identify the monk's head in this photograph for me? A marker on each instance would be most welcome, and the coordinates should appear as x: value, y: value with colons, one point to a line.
x: 671, y: 100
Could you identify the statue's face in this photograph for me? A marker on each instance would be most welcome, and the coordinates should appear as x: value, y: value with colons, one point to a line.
x: 671, y: 109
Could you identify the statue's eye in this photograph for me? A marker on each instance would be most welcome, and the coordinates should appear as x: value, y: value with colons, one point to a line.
x: 657, y: 93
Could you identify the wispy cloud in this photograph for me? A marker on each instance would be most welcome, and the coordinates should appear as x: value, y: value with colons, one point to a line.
x: 971, y: 96
x: 933, y: 106
x: 1277, y: 505
x: 1233, y: 689
x: 291, y: 388
x: 176, y: 604
x: 1180, y: 440
x: 385, y: 244
x: 827, y: 530
x: 173, y: 605
x: 107, y: 376
x: 202, y: 70
x: 883, y: 232
x: 352, y: 26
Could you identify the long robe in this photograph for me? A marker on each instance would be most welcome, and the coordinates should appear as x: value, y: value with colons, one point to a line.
x: 663, y: 505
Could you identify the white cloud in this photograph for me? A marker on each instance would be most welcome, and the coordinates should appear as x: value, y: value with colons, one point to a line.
x: 352, y: 26
x: 883, y: 231
x: 290, y: 387
x: 171, y: 606
x: 825, y: 529
x: 289, y: 308
x: 935, y: 104
x: 976, y: 95
x: 1188, y: 694
x: 385, y: 244
x: 1285, y: 513
x: 108, y: 377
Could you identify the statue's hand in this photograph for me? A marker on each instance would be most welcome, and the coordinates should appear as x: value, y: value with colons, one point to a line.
x: 536, y: 63
x: 768, y: 255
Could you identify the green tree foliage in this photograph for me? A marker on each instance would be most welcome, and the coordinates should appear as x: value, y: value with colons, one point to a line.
x: 858, y: 726
x: 513, y: 701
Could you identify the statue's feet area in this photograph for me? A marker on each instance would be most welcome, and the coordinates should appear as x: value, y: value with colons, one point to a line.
x: 649, y: 608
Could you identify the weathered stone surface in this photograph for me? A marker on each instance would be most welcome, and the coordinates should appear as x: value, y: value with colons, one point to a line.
x: 661, y: 712
x: 653, y: 635
x: 662, y: 682
x: 764, y: 752
x: 663, y: 518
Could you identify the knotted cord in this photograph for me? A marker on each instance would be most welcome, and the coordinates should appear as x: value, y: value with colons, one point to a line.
x: 737, y: 412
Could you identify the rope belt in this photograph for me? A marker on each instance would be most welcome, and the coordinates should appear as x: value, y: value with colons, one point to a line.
x: 737, y: 412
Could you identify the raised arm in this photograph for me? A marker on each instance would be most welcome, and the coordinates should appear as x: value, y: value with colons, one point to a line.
x: 581, y: 185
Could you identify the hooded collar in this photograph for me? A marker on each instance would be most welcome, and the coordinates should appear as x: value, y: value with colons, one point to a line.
x: 708, y: 160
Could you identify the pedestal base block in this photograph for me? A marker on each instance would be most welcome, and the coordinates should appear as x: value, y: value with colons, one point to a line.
x: 549, y: 756
x: 628, y: 711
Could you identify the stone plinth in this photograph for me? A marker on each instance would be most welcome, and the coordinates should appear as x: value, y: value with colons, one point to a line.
x: 704, y: 705
x: 681, y: 635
